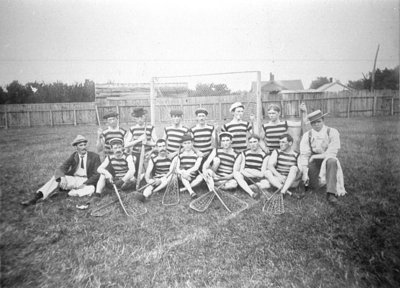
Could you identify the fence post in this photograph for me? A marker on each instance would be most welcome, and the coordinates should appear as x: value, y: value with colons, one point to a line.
x: 349, y: 106
x: 74, y: 117
x: 220, y: 111
x: 152, y: 103
x: 374, y: 106
x: 6, y: 118
x: 392, y: 106
x: 51, y: 118
x: 282, y: 109
x: 29, y: 118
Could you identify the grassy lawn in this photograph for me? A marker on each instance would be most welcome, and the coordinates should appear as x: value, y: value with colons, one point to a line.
x: 313, y: 244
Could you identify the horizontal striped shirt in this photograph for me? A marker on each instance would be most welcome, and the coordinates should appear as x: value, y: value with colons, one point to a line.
x: 273, y: 133
x: 109, y: 134
x: 119, y: 165
x: 138, y: 131
x: 174, y: 137
x: 161, y: 166
x: 285, y: 161
x: 187, y: 161
x: 254, y: 160
x: 202, y: 138
x: 239, y: 131
x: 227, y: 161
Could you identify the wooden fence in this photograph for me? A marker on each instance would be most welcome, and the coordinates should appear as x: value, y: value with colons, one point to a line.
x: 342, y: 104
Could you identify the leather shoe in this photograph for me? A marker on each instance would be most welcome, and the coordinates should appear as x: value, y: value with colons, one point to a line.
x: 332, y: 199
x: 29, y: 202
x: 256, y: 196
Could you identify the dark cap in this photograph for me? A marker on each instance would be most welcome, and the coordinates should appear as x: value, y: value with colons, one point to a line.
x: 186, y: 137
x: 114, y: 141
x: 138, y: 112
x: 225, y: 134
x: 79, y: 139
x: 176, y: 112
x: 201, y: 110
x: 110, y: 114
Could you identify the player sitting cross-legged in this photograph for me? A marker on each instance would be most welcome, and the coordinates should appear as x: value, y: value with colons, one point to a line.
x: 284, y: 169
x: 118, y: 169
x: 220, y: 164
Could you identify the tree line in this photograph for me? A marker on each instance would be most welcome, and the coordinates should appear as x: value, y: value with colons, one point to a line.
x: 57, y: 92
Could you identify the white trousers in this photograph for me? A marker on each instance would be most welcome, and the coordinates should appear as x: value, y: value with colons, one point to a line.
x: 72, y: 183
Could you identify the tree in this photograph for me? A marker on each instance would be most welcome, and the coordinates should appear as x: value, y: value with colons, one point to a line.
x: 206, y: 89
x: 384, y: 79
x: 319, y: 82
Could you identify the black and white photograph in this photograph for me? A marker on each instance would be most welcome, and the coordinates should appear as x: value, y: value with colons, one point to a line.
x: 199, y: 143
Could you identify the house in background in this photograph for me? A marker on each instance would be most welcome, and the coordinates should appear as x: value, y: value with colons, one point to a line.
x: 333, y: 86
x: 275, y: 86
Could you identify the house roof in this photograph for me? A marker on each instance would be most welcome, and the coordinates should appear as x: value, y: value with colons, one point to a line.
x: 278, y: 85
x: 328, y: 85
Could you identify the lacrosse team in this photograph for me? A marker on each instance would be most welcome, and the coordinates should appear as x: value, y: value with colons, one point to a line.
x: 234, y: 158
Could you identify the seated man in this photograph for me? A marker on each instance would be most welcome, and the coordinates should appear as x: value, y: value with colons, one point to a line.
x: 118, y: 169
x: 283, y: 167
x: 223, y: 160
x: 157, y: 171
x: 252, y: 165
x: 318, y: 149
x: 187, y: 164
x: 77, y: 174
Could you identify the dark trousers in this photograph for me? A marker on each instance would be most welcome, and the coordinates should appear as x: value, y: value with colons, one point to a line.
x: 331, y: 173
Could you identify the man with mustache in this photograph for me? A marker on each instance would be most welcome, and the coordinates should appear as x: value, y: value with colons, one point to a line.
x: 157, y: 171
x: 118, y: 169
x: 78, y: 174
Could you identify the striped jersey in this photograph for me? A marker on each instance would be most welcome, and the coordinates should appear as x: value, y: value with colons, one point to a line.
x: 174, y: 137
x: 109, y: 134
x: 239, y: 131
x: 161, y: 166
x: 202, y: 138
x: 285, y: 161
x: 273, y: 132
x: 227, y: 160
x: 254, y: 160
x: 187, y: 161
x: 136, y: 132
x: 119, y: 165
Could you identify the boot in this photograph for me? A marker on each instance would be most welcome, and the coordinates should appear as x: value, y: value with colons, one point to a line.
x: 32, y: 201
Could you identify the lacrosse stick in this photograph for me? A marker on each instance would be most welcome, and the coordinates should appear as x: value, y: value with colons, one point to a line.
x: 274, y: 204
x: 211, y: 188
x: 171, y: 194
x: 134, y: 212
x: 203, y: 202
x: 236, y: 205
x: 141, y: 158
x: 104, y: 209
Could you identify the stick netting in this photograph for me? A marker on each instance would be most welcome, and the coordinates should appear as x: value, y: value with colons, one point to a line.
x: 202, y: 203
x: 171, y: 194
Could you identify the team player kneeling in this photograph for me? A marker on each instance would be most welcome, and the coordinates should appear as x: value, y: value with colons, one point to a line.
x: 242, y: 159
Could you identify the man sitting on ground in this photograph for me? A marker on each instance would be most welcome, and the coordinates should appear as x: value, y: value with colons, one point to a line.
x: 118, y: 169
x: 318, y: 150
x: 253, y: 164
x: 222, y: 167
x: 188, y: 164
x: 283, y: 166
x: 157, y: 171
x: 77, y: 174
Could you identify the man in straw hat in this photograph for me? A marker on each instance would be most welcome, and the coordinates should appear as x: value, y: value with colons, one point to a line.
x: 220, y: 163
x: 113, y: 131
x: 318, y: 152
x: 78, y: 174
x: 118, y: 168
x: 239, y: 128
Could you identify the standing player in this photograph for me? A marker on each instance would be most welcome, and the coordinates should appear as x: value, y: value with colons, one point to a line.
x: 253, y: 165
x: 275, y: 128
x: 239, y: 128
x: 113, y: 131
x: 136, y: 136
x: 223, y: 160
x: 173, y: 134
x: 117, y: 168
x: 203, y: 133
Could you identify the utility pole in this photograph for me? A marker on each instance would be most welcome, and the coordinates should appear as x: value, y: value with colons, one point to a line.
x: 373, y: 71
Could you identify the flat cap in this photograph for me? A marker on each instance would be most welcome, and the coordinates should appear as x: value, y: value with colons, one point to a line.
x: 79, y: 139
x: 225, y: 134
x: 236, y: 105
x: 110, y: 114
x: 114, y: 141
x: 138, y: 112
x: 201, y: 110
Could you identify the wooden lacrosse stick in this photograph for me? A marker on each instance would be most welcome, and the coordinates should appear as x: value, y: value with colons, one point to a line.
x: 120, y: 200
x: 141, y: 158
x: 211, y: 187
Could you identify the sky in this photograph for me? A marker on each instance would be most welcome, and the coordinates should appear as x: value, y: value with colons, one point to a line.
x: 133, y: 41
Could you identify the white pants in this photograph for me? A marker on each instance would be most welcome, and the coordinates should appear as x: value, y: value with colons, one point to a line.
x: 72, y: 183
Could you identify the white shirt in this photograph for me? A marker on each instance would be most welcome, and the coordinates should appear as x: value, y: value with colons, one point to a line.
x: 81, y: 172
x: 321, y: 143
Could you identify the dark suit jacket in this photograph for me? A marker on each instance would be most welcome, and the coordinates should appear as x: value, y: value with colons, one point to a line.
x: 70, y: 166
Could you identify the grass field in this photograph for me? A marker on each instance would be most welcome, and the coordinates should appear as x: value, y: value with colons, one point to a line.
x: 313, y: 244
